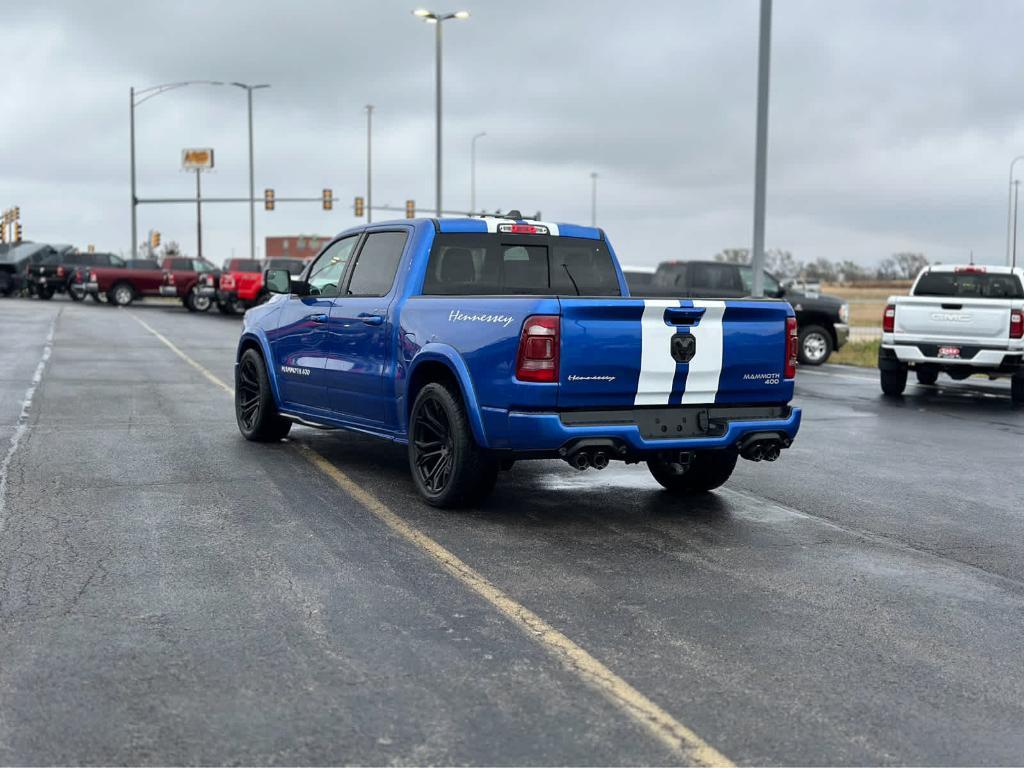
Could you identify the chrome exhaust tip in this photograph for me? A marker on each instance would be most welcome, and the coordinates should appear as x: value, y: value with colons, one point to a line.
x: 580, y: 460
x: 599, y: 460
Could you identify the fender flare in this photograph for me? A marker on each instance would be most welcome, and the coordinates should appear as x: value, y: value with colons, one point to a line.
x: 260, y: 337
x: 449, y: 356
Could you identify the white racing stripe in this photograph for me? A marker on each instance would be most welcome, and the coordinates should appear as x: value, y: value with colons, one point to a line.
x: 657, y: 367
x: 706, y: 365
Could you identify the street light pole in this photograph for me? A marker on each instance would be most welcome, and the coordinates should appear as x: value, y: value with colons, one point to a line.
x: 472, y: 171
x: 146, y: 94
x: 761, y: 159
x: 199, y: 217
x: 593, y: 199
x: 1016, y: 190
x: 252, y: 184
x: 438, y: 21
x: 131, y: 141
x: 369, y: 164
x: 1009, y: 208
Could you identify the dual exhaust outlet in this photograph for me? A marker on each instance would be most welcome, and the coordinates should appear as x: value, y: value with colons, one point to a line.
x: 761, y: 450
x: 585, y: 459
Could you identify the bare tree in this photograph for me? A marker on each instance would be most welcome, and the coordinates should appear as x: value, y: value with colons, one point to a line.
x: 733, y: 255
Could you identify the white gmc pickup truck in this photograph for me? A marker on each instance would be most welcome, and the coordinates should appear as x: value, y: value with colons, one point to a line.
x: 957, y: 320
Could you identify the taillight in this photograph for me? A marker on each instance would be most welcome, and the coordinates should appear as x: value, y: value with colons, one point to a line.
x: 92, y: 277
x: 227, y: 282
x: 1016, y: 324
x: 889, y: 319
x: 792, y: 346
x: 537, y: 359
x: 60, y: 271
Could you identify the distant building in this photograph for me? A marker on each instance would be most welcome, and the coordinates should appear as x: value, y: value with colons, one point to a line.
x: 295, y: 246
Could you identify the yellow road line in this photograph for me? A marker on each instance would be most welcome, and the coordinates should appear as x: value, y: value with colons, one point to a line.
x: 170, y: 345
x: 669, y: 731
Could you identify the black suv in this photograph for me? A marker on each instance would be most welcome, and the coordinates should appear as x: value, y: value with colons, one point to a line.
x: 821, y: 320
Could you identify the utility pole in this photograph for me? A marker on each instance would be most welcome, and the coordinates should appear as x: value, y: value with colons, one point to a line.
x: 472, y: 170
x: 131, y: 141
x: 1016, y: 190
x: 199, y: 217
x: 1009, y: 208
x: 369, y: 162
x: 593, y: 199
x: 761, y: 158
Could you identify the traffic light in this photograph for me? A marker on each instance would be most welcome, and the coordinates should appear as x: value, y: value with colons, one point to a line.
x: 154, y: 239
x: 328, y: 199
x: 268, y: 199
x: 359, y: 207
x: 17, y: 212
x: 410, y: 209
x: 17, y: 232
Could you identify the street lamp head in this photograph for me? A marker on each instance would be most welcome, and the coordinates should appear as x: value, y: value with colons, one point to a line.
x: 461, y: 15
x: 423, y: 13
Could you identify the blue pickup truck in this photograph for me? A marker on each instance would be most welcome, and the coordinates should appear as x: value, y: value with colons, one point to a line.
x: 478, y: 342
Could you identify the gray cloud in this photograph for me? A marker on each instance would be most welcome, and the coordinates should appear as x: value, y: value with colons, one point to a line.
x: 891, y: 123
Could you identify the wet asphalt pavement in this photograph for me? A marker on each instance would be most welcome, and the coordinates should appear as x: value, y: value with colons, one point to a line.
x: 172, y: 594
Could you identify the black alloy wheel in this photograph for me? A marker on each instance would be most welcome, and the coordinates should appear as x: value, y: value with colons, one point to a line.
x: 248, y: 394
x: 448, y: 468
x: 255, y: 410
x: 433, y: 447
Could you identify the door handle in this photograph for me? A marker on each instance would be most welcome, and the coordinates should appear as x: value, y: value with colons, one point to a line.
x: 371, y: 319
x: 318, y: 318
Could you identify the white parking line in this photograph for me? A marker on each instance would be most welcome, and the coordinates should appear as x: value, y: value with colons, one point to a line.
x: 21, y: 426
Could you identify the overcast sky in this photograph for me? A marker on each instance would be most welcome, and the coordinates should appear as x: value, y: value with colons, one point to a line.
x: 892, y: 123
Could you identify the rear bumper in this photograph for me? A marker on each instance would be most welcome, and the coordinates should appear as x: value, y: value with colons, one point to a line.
x: 531, y: 432
x: 92, y: 287
x: 892, y: 356
x: 169, y: 290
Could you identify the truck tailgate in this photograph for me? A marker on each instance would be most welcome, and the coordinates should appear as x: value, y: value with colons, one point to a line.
x: 656, y: 352
x: 953, y: 318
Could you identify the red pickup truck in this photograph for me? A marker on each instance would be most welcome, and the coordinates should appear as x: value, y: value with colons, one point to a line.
x: 240, y: 286
x: 194, y: 281
x: 146, y: 277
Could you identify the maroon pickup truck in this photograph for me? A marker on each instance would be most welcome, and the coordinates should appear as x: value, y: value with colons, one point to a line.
x: 194, y: 281
x: 122, y: 285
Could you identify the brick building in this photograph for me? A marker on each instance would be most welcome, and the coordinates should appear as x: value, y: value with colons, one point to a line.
x: 295, y: 246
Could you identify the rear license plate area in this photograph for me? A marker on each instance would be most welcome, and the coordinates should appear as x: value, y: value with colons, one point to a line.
x: 949, y: 353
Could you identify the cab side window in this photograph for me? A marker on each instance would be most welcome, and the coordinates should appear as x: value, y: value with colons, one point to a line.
x: 325, y: 275
x: 715, y: 277
x: 374, y: 272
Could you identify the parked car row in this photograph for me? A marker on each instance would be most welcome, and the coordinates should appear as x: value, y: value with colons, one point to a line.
x: 42, y: 270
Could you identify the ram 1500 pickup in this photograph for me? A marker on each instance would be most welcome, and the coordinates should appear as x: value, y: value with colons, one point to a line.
x: 957, y: 320
x: 479, y: 342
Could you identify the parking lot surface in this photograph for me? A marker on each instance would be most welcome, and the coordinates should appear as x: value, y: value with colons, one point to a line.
x: 170, y: 593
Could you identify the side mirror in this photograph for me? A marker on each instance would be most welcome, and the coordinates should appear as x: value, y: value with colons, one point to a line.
x: 278, y: 281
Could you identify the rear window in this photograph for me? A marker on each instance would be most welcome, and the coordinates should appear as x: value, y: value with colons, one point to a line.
x: 979, y: 285
x: 499, y: 264
x: 638, y: 280
x: 245, y: 265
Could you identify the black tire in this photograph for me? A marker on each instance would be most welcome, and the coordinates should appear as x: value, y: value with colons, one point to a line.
x: 227, y: 307
x: 121, y: 294
x: 1017, y: 388
x: 894, y: 381
x: 95, y: 297
x: 45, y: 293
x: 255, y: 409
x: 196, y: 303
x: 76, y: 295
x: 708, y: 470
x: 448, y: 468
x: 815, y: 345
x: 926, y: 376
